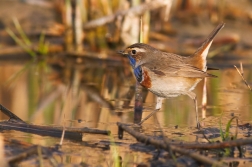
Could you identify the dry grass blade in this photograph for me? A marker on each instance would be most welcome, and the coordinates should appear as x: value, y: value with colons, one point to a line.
x: 204, y: 99
x: 241, y: 74
x: 63, y: 135
x: 167, y: 9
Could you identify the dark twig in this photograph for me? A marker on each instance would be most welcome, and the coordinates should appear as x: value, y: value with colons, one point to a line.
x: 242, y: 75
x: 40, y: 130
x: 70, y: 133
x: 160, y: 144
x: 225, y: 144
x: 12, y: 116
x: 204, y: 135
x: 15, y: 123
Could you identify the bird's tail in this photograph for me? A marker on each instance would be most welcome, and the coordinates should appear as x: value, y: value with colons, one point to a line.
x: 199, y: 57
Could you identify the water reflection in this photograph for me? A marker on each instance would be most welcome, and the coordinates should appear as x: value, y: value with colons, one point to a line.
x: 84, y: 94
x: 58, y: 94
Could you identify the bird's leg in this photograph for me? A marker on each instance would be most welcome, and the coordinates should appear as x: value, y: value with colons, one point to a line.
x: 194, y: 97
x: 157, y: 107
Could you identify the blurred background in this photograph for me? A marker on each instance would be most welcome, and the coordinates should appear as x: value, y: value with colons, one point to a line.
x: 59, y: 62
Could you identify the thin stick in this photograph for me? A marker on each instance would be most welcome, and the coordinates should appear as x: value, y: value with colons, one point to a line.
x: 63, y: 134
x: 241, y: 74
x: 141, y: 30
x: 204, y: 99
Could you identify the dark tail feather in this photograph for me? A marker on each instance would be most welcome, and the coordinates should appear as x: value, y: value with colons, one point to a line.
x: 211, y: 75
x: 210, y: 68
x: 208, y: 41
x: 198, y: 59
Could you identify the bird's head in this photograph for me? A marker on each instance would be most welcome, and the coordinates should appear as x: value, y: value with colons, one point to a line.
x: 137, y: 53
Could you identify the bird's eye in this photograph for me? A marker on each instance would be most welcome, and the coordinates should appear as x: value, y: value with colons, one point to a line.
x: 133, y: 52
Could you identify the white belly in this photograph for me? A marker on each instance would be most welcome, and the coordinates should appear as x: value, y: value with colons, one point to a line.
x: 173, y: 86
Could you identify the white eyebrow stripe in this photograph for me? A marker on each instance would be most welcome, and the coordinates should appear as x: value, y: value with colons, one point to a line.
x: 139, y: 49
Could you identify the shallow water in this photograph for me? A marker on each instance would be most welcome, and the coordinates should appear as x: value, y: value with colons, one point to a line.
x: 55, y: 96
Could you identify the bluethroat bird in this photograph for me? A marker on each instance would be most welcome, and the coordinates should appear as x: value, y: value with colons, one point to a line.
x: 168, y: 74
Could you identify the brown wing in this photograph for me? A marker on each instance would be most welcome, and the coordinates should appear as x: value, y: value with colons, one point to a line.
x: 178, y: 71
x: 193, y: 72
x: 172, y: 65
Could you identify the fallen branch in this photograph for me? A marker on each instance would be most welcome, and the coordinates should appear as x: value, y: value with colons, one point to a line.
x: 70, y: 133
x: 225, y: 144
x: 16, y: 123
x: 163, y: 145
x: 137, y: 10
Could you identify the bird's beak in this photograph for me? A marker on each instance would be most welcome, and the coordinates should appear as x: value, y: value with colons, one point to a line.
x: 122, y: 53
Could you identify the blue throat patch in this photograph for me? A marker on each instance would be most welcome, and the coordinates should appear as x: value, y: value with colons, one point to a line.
x: 137, y: 70
x: 132, y: 61
x: 138, y: 73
